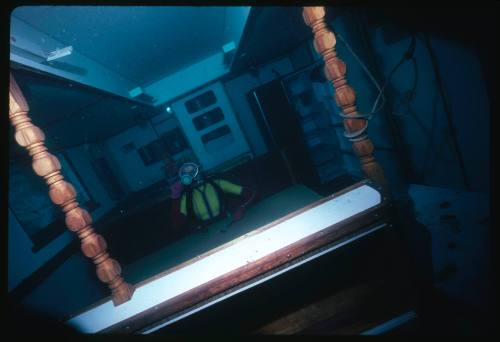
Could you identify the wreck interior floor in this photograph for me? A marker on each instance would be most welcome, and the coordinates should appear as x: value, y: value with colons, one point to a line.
x: 261, y: 213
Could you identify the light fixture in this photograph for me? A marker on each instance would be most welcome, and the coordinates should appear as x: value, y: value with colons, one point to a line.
x: 228, y: 52
x: 138, y: 93
x: 58, y: 53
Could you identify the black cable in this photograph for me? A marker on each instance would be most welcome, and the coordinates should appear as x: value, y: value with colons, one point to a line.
x: 429, y: 135
x: 360, y: 134
x: 411, y: 96
x: 397, y: 139
x: 408, y: 55
x: 449, y: 114
x: 407, y: 104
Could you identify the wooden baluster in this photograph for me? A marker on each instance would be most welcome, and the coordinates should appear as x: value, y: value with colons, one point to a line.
x: 345, y: 97
x: 63, y: 194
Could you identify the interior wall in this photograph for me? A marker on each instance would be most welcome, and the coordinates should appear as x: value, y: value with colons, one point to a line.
x: 73, y: 284
x: 427, y: 158
x: 427, y: 105
x: 236, y: 18
x: 21, y: 259
x: 419, y: 149
x: 225, y: 148
x: 465, y: 87
x: 70, y: 288
x: 187, y: 79
x: 129, y: 164
x: 237, y: 89
x: 324, y: 93
x: 81, y: 158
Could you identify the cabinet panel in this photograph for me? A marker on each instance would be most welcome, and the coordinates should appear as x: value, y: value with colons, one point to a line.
x: 210, y: 126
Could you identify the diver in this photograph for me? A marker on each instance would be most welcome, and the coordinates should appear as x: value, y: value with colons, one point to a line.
x: 199, y: 201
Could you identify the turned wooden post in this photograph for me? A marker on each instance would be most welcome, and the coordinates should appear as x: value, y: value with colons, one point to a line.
x: 335, y: 70
x: 63, y: 194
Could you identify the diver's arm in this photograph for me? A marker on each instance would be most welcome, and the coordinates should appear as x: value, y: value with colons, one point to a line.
x: 248, y: 195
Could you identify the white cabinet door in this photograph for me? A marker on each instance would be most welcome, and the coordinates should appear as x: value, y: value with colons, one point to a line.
x: 210, y: 125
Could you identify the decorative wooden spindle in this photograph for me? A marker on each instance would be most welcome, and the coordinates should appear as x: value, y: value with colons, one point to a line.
x: 63, y: 194
x: 355, y: 124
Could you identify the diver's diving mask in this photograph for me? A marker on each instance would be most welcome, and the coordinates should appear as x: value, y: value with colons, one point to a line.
x: 188, y: 173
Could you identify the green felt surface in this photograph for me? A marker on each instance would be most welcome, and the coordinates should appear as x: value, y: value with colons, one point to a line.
x: 190, y: 246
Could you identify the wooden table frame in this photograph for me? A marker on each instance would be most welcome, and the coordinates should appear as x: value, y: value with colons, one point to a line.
x: 148, y: 319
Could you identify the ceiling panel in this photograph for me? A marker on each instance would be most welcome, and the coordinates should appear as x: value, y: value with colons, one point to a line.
x: 141, y: 43
x: 52, y: 99
x: 272, y: 32
x: 98, y: 122
x: 71, y: 114
x: 111, y: 116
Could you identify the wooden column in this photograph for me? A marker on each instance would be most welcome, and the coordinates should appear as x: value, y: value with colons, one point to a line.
x: 355, y: 124
x: 63, y: 194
